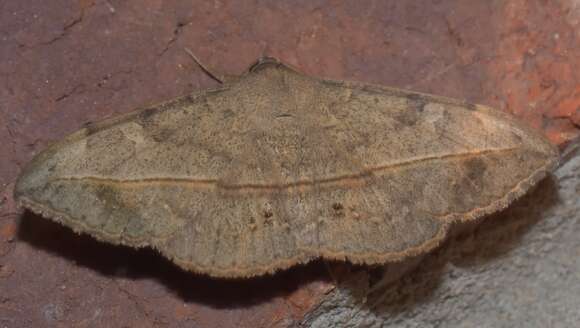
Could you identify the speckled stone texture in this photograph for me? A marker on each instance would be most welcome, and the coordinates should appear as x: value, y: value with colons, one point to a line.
x: 64, y: 63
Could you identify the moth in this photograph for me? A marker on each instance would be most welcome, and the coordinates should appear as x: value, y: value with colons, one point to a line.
x: 279, y: 168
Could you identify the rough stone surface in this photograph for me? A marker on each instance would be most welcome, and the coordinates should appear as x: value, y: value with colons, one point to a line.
x: 65, y: 63
x: 517, y: 269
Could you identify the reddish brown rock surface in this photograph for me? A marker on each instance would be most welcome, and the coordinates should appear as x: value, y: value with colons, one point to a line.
x: 64, y: 63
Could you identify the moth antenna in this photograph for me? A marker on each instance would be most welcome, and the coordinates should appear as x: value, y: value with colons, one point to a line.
x: 216, y: 77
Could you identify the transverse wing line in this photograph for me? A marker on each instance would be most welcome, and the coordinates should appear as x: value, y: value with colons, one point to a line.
x: 347, y: 180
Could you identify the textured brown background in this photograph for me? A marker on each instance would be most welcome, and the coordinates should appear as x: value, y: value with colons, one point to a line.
x: 64, y: 63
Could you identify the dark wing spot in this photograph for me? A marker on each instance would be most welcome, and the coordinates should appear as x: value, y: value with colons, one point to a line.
x: 517, y: 137
x: 145, y: 117
x: 268, y: 213
x: 415, y: 106
x: 470, y: 106
x: 417, y: 102
x: 475, y: 169
x: 162, y: 134
x: 91, y: 128
x: 469, y: 185
x: 337, y: 206
x: 152, y: 127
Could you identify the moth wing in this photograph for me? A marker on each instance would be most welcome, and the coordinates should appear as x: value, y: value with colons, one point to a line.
x: 281, y: 168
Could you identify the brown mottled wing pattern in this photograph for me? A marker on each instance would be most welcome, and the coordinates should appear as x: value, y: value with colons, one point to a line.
x: 280, y: 168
